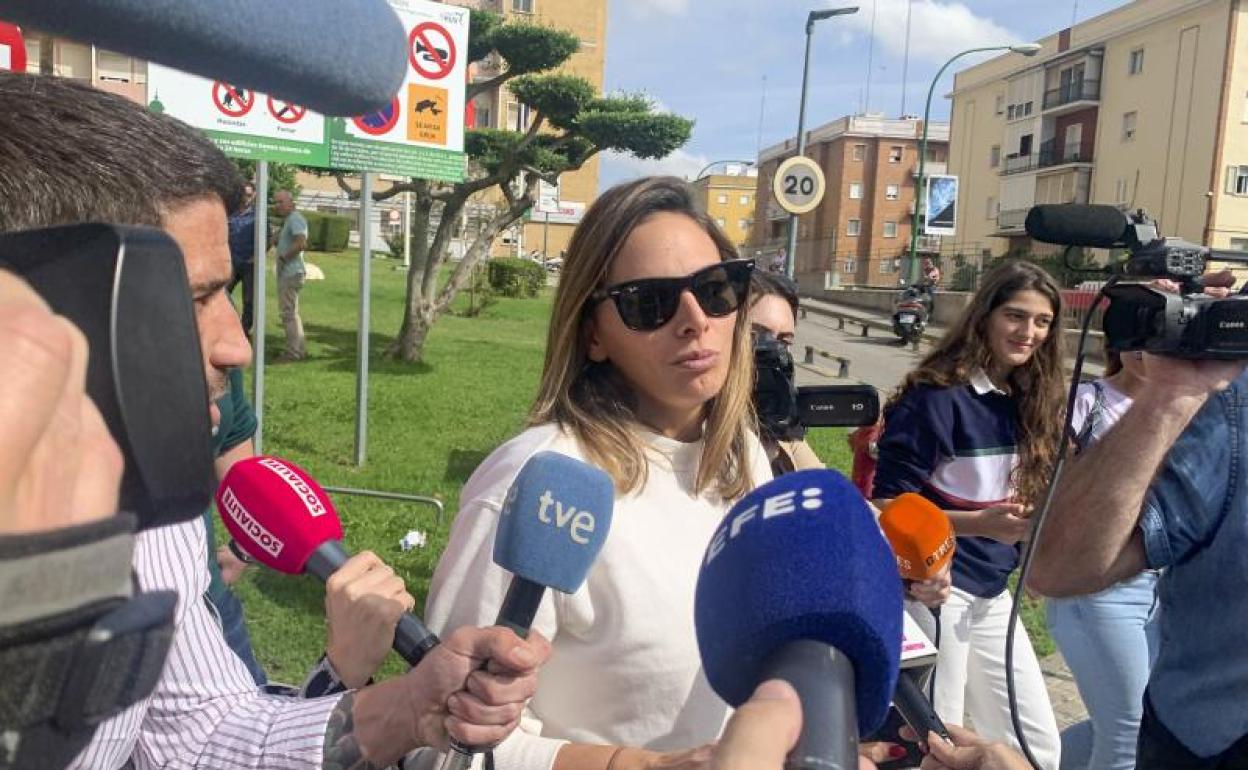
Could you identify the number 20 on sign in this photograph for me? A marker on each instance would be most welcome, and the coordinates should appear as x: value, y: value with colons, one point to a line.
x: 798, y: 185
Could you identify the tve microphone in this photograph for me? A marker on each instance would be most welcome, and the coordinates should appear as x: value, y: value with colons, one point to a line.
x: 283, y: 519
x: 799, y: 584
x: 554, y: 522
x: 337, y: 58
x: 1071, y: 224
x: 921, y: 536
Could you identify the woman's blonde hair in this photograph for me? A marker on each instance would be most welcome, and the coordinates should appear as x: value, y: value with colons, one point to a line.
x: 590, y: 399
x: 1039, y: 383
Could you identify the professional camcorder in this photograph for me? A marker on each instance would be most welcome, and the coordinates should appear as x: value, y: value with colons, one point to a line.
x: 785, y: 411
x: 1190, y: 324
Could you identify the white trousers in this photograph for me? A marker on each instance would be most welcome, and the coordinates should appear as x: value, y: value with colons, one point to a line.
x: 970, y: 675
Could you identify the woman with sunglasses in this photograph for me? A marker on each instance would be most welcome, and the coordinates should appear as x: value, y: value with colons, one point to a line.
x: 649, y: 376
x: 975, y: 429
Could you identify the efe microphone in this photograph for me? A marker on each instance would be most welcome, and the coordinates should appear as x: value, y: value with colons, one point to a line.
x: 799, y: 584
x: 554, y: 522
x: 283, y: 519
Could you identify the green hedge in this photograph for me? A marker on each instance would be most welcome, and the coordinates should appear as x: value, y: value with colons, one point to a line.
x: 512, y: 277
x: 327, y: 232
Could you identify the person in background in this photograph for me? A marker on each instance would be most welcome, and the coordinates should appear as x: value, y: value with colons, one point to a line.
x: 1109, y: 639
x: 242, y: 225
x: 291, y: 240
x: 975, y: 429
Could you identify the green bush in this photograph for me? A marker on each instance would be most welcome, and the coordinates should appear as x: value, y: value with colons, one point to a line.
x: 316, y: 229
x: 512, y: 277
x: 337, y: 232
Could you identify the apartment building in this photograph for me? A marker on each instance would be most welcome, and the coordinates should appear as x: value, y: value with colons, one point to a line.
x: 728, y: 198
x: 1145, y: 106
x: 860, y: 233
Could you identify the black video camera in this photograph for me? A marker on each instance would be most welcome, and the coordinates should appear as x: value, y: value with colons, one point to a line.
x: 785, y: 411
x: 1190, y: 324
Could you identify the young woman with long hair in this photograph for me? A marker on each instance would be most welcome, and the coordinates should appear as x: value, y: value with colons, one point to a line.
x: 648, y: 375
x: 975, y: 429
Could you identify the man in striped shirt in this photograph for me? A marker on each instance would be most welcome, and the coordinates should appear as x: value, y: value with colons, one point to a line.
x: 72, y: 153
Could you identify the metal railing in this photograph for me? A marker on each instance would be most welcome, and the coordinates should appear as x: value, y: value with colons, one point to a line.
x: 1017, y: 164
x: 1011, y: 219
x: 394, y: 497
x: 1052, y: 155
x: 1085, y: 89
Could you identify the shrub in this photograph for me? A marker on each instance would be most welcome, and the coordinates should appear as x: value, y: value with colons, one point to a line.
x: 512, y: 277
x: 336, y: 232
x: 316, y: 229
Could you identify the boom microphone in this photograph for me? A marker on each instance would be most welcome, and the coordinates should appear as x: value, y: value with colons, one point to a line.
x: 338, y: 59
x: 554, y: 522
x: 798, y: 584
x: 921, y: 536
x: 283, y: 519
x: 1070, y: 224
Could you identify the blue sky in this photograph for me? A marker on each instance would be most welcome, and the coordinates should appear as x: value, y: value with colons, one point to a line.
x: 706, y: 59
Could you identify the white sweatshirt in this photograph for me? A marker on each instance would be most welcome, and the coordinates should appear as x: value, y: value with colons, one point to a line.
x: 624, y: 668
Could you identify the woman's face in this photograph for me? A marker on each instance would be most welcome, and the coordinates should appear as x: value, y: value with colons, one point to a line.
x: 1017, y: 328
x: 675, y: 369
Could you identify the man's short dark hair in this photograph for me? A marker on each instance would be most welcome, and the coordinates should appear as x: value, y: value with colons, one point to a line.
x: 763, y: 283
x: 71, y: 153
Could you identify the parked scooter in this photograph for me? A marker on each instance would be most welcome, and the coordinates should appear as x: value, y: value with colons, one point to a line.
x: 911, y: 311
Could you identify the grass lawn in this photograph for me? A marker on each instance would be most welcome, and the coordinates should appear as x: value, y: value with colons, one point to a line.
x: 429, y: 426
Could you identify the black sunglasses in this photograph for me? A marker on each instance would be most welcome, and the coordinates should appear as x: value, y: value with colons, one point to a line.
x: 648, y: 303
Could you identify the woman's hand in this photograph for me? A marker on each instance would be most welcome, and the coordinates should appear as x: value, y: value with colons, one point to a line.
x: 363, y: 603
x: 934, y: 591
x: 1006, y: 523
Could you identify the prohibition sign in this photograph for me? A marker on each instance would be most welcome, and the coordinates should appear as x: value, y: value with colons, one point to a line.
x: 232, y: 100
x: 379, y: 122
x: 288, y: 112
x: 431, y: 50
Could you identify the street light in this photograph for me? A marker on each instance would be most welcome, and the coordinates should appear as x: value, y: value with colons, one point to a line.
x: 1026, y: 49
x: 714, y: 163
x: 790, y: 255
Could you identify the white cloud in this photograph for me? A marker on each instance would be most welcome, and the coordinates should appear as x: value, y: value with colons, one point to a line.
x: 648, y: 8
x: 938, y: 30
x: 681, y: 163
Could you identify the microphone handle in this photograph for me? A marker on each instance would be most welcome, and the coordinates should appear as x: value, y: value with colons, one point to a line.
x: 411, y: 638
x: 916, y: 709
x: 520, y: 606
x: 824, y: 680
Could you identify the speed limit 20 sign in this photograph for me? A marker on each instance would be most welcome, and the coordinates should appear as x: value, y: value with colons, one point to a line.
x: 798, y: 185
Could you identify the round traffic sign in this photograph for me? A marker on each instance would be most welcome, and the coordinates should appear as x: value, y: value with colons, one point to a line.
x: 286, y: 112
x: 431, y: 50
x: 798, y: 185
x: 379, y: 122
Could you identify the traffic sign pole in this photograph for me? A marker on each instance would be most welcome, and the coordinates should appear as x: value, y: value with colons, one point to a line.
x: 361, y: 370
x: 257, y: 303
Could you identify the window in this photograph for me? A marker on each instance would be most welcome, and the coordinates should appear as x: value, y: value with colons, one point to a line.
x: 517, y: 116
x: 892, y: 192
x: 114, y: 66
x: 990, y: 209
x: 1120, y: 191
x: 1073, y: 142
x: 743, y: 224
x: 994, y: 156
x: 1237, y: 180
x: 1024, y: 144
x: 890, y: 229
x: 1010, y: 113
x: 482, y: 117
x: 522, y: 6
x: 853, y: 228
x: 859, y: 153
x: 1026, y: 109
x: 1244, y: 118
x: 745, y: 200
x: 855, y: 191
x: 894, y: 154
x: 1135, y: 62
x: 1000, y: 104
x: 851, y: 265
x: 721, y: 198
x: 1128, y: 126
x: 1239, y: 244
x: 719, y: 221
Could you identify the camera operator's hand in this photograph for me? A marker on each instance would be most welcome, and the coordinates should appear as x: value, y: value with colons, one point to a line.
x: 970, y: 752
x: 1180, y: 378
x: 58, y: 464
x: 1006, y: 523
x: 364, y: 600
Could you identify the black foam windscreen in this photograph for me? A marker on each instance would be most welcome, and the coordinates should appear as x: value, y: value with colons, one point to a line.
x: 1074, y: 224
x: 126, y: 289
x: 334, y: 57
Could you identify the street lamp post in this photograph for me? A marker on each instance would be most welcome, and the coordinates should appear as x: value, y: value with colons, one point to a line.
x: 715, y: 163
x: 1026, y: 49
x: 790, y: 253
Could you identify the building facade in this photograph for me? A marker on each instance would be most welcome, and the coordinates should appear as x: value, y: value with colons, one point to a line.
x: 1145, y: 106
x: 728, y: 198
x: 860, y: 233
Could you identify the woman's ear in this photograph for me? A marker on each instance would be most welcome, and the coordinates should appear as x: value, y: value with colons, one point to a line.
x: 594, y: 348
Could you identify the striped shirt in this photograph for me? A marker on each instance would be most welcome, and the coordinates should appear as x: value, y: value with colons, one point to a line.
x: 205, y: 711
x: 956, y: 446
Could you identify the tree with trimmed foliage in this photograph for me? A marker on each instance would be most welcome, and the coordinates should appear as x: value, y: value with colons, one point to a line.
x: 571, y: 124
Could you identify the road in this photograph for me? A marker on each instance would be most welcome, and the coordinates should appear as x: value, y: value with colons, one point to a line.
x: 877, y: 360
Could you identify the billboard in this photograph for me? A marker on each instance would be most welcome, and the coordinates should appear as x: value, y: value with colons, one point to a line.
x: 940, y: 204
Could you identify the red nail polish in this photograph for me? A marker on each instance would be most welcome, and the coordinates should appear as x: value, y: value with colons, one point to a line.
x: 896, y: 752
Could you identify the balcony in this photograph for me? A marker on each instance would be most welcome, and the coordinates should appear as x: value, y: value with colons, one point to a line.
x: 1052, y: 156
x: 1072, y: 95
x: 1011, y: 220
x: 1017, y: 164
x: 932, y: 168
